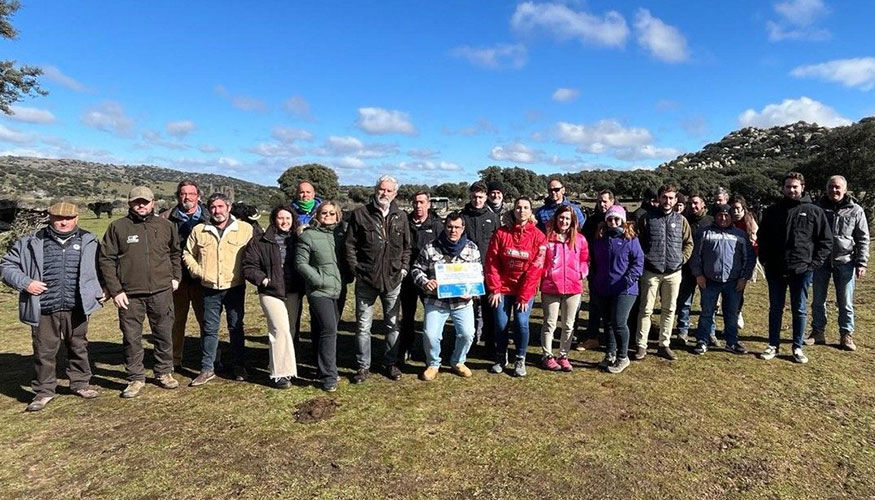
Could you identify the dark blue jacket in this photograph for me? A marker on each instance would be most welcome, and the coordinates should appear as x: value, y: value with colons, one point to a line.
x: 616, y: 265
x: 545, y: 213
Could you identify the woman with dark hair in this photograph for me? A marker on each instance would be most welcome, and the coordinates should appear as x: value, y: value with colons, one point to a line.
x: 616, y: 266
x: 745, y: 220
x: 321, y: 266
x: 565, y: 267
x: 514, y: 265
x: 268, y: 263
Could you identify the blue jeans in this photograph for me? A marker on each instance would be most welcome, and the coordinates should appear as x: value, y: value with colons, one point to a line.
x: 231, y: 300
x: 616, y: 310
x: 844, y: 277
x: 731, y: 303
x: 778, y: 284
x: 503, y: 312
x: 685, y: 300
x: 435, y: 319
x: 365, y: 298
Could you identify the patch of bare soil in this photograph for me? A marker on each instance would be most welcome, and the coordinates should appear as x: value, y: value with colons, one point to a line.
x: 315, y: 410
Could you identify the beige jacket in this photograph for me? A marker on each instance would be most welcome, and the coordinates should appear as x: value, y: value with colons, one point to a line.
x: 217, y: 262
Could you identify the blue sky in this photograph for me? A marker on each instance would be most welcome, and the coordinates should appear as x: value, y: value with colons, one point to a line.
x: 428, y: 91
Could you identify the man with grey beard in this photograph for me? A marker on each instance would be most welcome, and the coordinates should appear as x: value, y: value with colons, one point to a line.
x: 378, y: 253
x: 187, y: 213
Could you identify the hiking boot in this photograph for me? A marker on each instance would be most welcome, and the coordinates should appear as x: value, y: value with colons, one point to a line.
x: 640, y: 353
x: 712, y: 341
x: 166, y: 381
x: 847, y: 343
x: 609, y: 359
x: 240, y: 373
x: 282, y: 383
x: 39, y: 403
x: 815, y: 338
x: 549, y: 363
x: 86, y: 393
x: 736, y: 348
x: 701, y: 348
x: 590, y: 344
x: 361, y: 375
x: 799, y: 356
x: 619, y: 365
x: 666, y: 353
x: 133, y: 389
x: 519, y: 368
x: 462, y: 370
x: 394, y: 373
x: 202, y: 378
x: 329, y: 387
x: 429, y: 374
x: 564, y: 364
x: 770, y: 352
x: 682, y: 339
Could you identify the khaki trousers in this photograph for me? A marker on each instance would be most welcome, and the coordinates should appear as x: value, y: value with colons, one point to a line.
x: 189, y: 294
x: 554, y: 306
x: 668, y: 287
x: 280, y: 314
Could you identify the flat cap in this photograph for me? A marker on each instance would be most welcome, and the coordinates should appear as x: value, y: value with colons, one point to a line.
x: 64, y: 209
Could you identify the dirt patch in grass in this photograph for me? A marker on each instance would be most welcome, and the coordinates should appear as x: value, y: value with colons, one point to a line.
x: 315, y: 410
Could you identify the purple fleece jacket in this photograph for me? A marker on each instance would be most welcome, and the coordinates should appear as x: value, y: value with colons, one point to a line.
x: 616, y: 265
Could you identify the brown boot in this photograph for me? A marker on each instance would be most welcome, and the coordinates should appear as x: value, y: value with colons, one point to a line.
x: 640, y: 353
x: 815, y: 338
x: 848, y: 343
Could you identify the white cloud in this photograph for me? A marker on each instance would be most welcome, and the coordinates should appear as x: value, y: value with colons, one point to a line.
x: 645, y: 152
x: 275, y: 150
x: 109, y: 116
x: 383, y: 121
x: 289, y: 135
x: 797, y: 20
x: 500, y: 56
x: 228, y: 162
x: 351, y: 162
x: 11, y: 135
x: 664, y: 42
x: 56, y: 75
x: 297, y: 106
x: 427, y: 165
x: 208, y: 148
x: 352, y: 146
x: 601, y: 136
x: 31, y: 115
x: 859, y: 72
x: 516, y: 153
x: 180, y: 128
x: 792, y: 111
x: 563, y: 23
x: 565, y: 94
x: 422, y: 154
x: 154, y: 138
x: 341, y: 145
x: 246, y: 103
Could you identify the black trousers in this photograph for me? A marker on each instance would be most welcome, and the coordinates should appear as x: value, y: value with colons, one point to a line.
x: 411, y: 296
x: 71, y: 328
x: 323, y: 335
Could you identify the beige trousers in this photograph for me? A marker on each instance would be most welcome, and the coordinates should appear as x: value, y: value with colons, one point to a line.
x: 280, y: 315
x: 554, y: 306
x: 668, y: 287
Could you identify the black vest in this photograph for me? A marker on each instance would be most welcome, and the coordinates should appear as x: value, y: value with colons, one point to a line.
x: 664, y: 244
x: 61, y: 273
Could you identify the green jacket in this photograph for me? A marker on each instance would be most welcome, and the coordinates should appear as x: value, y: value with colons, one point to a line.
x: 318, y: 261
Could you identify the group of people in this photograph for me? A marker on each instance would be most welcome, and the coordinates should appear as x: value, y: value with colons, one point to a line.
x: 198, y: 257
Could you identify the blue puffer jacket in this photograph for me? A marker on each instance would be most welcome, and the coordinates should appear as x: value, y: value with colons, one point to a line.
x: 722, y: 254
x: 24, y: 263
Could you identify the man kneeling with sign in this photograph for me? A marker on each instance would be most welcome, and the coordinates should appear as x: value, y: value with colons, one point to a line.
x: 449, y: 271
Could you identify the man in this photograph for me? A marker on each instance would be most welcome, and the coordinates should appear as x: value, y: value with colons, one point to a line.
x: 604, y: 201
x: 698, y: 218
x: 54, y: 270
x: 214, y: 255
x: 305, y: 206
x: 140, y: 264
x: 495, y: 197
x: 649, y: 201
x: 681, y: 206
x: 480, y: 224
x: 451, y: 246
x: 850, y: 256
x: 555, y: 199
x: 794, y: 240
x: 188, y: 212
x: 721, y: 197
x: 722, y: 263
x: 667, y: 243
x: 425, y: 226
x: 378, y: 252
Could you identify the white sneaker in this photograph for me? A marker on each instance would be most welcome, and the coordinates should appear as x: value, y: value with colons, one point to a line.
x: 770, y: 352
x: 799, y: 356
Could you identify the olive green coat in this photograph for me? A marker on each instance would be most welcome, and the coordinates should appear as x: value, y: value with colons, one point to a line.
x: 318, y: 261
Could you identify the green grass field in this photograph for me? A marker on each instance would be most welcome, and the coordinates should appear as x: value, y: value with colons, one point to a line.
x: 714, y: 427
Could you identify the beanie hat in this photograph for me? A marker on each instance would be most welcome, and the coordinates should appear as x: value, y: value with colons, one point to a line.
x: 722, y: 207
x: 495, y: 186
x: 616, y: 211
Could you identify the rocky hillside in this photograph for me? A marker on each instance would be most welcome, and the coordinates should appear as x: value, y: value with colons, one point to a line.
x: 41, y: 180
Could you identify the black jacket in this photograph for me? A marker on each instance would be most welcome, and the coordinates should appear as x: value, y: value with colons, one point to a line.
x: 591, y: 225
x: 262, y: 259
x: 480, y: 225
x: 377, y: 247
x: 424, y: 233
x: 794, y: 237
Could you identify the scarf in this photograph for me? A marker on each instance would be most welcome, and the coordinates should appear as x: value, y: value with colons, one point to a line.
x: 305, y: 206
x: 450, y: 248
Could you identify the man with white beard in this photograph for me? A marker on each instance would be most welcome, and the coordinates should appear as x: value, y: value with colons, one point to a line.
x: 378, y: 253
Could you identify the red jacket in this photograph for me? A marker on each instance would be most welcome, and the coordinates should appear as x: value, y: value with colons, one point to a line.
x: 515, y: 261
x: 564, y: 267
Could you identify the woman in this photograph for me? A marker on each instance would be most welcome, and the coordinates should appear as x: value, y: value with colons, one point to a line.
x: 743, y: 219
x: 268, y: 263
x: 514, y: 264
x: 321, y: 267
x: 616, y: 266
x: 565, y: 266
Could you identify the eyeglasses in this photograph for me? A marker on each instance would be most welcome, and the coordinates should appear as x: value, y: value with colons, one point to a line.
x: 327, y: 213
x: 556, y: 190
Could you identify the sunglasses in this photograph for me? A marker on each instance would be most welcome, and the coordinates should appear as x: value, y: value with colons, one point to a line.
x: 555, y: 190
x: 327, y: 213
